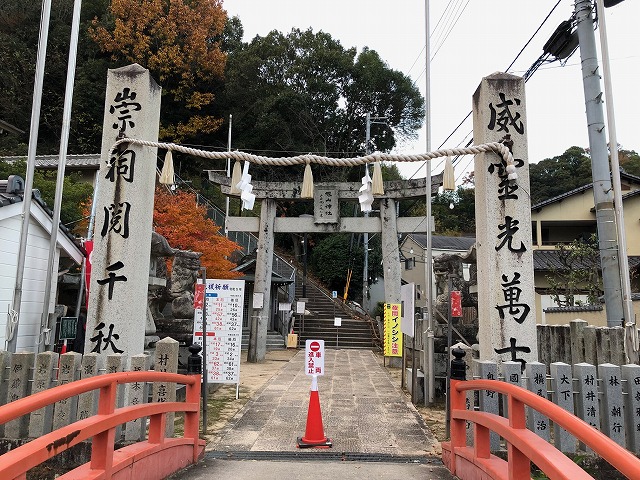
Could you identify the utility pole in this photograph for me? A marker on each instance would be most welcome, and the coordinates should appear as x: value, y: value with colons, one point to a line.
x: 226, y: 211
x: 427, y: 335
x: 602, y: 189
x: 631, y: 336
x: 365, y: 269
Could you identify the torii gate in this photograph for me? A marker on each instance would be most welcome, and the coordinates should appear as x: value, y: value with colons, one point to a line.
x: 326, y: 219
x: 505, y: 260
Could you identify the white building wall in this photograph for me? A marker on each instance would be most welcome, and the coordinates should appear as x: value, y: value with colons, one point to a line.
x: 33, y: 282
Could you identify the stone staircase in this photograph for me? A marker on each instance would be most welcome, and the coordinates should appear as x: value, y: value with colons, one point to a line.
x: 319, y: 323
x: 275, y: 341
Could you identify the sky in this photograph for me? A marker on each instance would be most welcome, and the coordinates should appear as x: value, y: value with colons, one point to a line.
x: 471, y: 39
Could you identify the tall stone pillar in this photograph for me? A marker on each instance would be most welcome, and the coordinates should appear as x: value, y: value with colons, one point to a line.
x: 117, y: 310
x: 390, y: 252
x: 506, y: 296
x: 259, y: 318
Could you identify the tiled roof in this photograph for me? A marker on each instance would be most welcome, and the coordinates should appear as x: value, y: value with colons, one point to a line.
x: 574, y: 309
x: 550, y: 260
x: 6, y: 126
x: 17, y: 197
x: 440, y: 242
x: 562, y: 196
x: 85, y: 161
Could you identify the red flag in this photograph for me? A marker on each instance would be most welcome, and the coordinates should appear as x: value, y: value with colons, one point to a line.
x: 456, y: 303
x: 198, y: 296
x: 88, y: 246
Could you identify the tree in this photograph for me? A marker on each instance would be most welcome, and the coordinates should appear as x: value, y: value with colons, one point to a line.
x: 577, y: 274
x: 75, y: 191
x: 185, y: 225
x: 304, y: 92
x: 179, y: 41
x: 557, y: 175
x: 454, y: 212
x: 629, y: 161
x: 334, y: 255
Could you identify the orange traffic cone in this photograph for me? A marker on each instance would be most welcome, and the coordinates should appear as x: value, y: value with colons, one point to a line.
x: 314, y: 434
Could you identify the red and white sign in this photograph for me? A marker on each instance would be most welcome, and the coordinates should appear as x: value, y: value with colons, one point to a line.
x: 456, y: 303
x: 198, y: 297
x: 314, y: 357
x: 88, y: 247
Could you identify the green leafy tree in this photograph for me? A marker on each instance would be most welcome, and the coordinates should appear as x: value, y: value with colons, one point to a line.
x: 629, y: 161
x: 75, y: 191
x: 578, y: 273
x: 334, y: 255
x: 304, y: 92
x: 454, y: 212
x: 557, y: 175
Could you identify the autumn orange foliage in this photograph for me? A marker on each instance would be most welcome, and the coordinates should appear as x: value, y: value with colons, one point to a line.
x: 179, y: 42
x: 185, y: 225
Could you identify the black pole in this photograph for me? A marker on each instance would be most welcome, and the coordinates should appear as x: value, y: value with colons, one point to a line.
x: 304, y: 266
x: 204, y: 352
x: 449, y: 334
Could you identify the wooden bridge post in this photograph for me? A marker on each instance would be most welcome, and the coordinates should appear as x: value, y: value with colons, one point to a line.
x: 103, y: 442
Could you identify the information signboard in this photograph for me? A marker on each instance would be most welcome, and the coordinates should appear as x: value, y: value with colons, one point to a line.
x: 224, y: 300
x: 68, y: 327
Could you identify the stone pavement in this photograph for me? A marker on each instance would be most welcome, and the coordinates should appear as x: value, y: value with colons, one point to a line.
x: 362, y: 410
x: 376, y: 433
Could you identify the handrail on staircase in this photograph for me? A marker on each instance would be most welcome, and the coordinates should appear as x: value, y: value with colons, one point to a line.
x: 249, y: 242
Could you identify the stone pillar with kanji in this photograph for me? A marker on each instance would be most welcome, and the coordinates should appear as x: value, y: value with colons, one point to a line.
x: 506, y: 296
x: 117, y: 310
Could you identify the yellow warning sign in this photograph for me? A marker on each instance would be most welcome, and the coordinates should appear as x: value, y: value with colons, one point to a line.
x: 392, y: 332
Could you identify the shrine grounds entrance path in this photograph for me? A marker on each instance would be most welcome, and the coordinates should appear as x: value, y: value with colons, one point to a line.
x: 375, y: 432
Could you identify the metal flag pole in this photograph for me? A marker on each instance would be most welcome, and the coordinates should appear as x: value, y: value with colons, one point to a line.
x: 47, y: 331
x: 12, y: 336
x: 427, y: 334
x: 631, y: 332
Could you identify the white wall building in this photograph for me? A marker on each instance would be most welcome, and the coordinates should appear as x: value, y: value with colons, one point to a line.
x: 35, y: 272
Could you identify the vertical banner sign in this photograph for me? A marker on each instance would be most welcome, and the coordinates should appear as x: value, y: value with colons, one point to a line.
x: 314, y: 354
x: 198, y: 296
x: 392, y: 332
x: 117, y: 310
x: 225, y: 299
x: 88, y: 247
x: 456, y: 303
x: 506, y: 296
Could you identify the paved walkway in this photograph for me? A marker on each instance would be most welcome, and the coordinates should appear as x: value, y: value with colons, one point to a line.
x: 375, y: 432
x: 362, y: 410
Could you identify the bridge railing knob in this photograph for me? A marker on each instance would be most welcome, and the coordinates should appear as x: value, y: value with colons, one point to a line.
x: 458, y: 365
x: 194, y: 361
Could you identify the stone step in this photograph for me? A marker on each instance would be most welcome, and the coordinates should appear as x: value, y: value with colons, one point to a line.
x: 319, y: 324
x: 339, y: 341
x: 275, y: 341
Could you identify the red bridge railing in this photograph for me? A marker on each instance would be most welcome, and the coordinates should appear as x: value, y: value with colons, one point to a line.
x: 523, y: 446
x: 155, y: 458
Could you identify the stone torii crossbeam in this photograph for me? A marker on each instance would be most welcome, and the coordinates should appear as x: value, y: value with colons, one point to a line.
x: 326, y: 219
